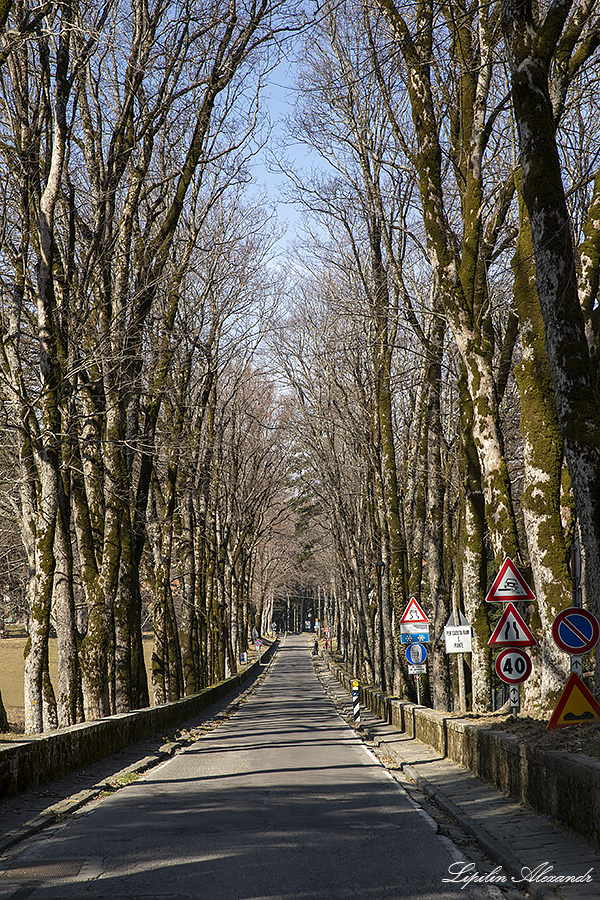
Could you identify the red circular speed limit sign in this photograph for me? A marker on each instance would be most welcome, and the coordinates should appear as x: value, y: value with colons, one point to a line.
x: 513, y: 665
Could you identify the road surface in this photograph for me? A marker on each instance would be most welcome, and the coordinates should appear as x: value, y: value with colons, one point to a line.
x: 281, y: 802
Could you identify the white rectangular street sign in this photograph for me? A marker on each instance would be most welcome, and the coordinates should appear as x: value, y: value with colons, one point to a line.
x: 420, y: 669
x: 577, y: 665
x: 514, y: 697
x: 458, y: 638
x: 413, y: 627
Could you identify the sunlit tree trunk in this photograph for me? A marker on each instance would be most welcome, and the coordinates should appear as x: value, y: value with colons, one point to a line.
x: 530, y: 47
x: 438, y: 584
x: 541, y: 497
x: 40, y: 704
x: 188, y: 634
x: 68, y: 688
x: 460, y: 276
x: 472, y: 563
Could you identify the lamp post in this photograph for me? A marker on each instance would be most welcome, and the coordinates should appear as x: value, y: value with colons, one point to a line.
x: 380, y: 568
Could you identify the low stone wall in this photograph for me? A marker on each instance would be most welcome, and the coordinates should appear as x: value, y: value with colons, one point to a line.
x: 564, y: 786
x: 39, y: 759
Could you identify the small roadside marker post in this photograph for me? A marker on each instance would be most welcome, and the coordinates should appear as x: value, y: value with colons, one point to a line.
x: 355, y: 702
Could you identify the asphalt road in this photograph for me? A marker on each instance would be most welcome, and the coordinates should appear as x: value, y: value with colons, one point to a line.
x: 281, y: 802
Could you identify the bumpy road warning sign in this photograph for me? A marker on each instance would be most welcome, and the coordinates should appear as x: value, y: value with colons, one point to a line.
x: 577, y: 705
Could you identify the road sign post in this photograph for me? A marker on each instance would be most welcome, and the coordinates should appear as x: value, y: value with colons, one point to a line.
x: 575, y: 572
x: 416, y: 654
x: 512, y: 665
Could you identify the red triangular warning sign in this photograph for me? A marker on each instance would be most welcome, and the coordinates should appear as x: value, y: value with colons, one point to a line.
x: 509, y: 584
x: 577, y: 705
x: 414, y: 614
x: 511, y: 630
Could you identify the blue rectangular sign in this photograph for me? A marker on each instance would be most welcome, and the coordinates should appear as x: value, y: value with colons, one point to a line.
x: 421, y: 638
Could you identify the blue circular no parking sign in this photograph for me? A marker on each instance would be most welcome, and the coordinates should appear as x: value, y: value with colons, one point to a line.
x: 575, y: 630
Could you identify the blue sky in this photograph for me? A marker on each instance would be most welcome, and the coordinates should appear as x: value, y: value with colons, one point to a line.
x: 278, y: 98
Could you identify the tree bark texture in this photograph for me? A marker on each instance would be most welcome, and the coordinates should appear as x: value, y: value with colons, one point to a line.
x: 541, y: 497
x: 530, y: 46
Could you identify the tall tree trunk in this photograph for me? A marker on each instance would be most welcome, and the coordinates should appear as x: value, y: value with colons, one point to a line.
x: 69, y: 698
x: 530, y: 47
x: 438, y: 587
x: 40, y: 704
x: 416, y: 490
x: 541, y: 497
x: 188, y: 634
x: 472, y: 558
x: 460, y: 281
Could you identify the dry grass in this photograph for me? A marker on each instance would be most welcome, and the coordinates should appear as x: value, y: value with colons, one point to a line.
x: 11, y: 675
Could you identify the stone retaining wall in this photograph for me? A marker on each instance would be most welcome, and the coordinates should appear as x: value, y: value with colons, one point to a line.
x: 39, y: 759
x: 563, y: 786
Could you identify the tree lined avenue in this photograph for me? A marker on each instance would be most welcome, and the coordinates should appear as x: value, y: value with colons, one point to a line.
x: 209, y: 433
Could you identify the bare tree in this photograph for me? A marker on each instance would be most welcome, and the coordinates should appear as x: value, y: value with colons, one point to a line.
x: 547, y: 50
x: 114, y: 115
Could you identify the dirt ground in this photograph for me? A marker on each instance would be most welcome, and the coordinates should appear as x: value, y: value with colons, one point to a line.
x: 16, y: 720
x: 581, y: 738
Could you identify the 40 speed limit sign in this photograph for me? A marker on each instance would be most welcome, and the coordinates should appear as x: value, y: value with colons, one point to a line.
x: 513, y: 665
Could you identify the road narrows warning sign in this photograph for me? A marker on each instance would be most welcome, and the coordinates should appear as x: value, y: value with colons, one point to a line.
x: 511, y: 631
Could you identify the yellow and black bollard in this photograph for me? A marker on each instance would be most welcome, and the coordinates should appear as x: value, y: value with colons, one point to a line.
x: 355, y: 703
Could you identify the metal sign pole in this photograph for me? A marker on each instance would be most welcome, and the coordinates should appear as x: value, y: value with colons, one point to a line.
x: 575, y: 572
